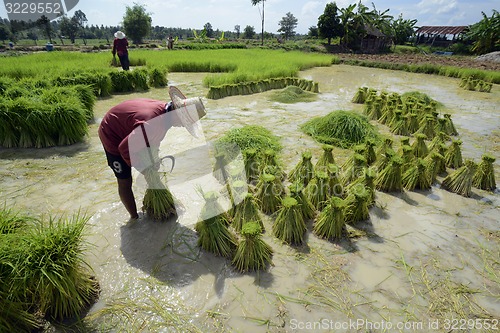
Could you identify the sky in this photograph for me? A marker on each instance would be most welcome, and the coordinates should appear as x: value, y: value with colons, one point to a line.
x: 226, y: 14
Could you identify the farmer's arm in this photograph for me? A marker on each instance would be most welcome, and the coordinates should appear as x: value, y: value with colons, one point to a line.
x: 114, y: 48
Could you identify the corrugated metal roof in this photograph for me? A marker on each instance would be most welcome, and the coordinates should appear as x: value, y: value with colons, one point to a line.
x: 441, y: 30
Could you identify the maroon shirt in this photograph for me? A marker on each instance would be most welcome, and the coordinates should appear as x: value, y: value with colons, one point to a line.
x: 120, y: 46
x: 122, y: 119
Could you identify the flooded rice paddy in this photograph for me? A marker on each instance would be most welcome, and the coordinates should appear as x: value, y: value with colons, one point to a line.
x: 423, y: 257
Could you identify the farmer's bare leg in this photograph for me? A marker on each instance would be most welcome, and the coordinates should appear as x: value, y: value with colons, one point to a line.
x: 127, y: 196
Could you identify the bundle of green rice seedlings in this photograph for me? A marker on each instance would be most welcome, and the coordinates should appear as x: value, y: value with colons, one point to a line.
x: 406, y: 154
x: 306, y: 207
x: 158, y: 201
x: 252, y: 165
x: 385, y: 158
x: 289, y: 225
x: 325, y: 158
x: 213, y: 232
x: 335, y: 186
x: 412, y: 122
x: 355, y: 169
x: 252, y: 252
x: 398, y: 124
x: 357, y: 203
x: 387, y: 143
x: 366, y: 181
x: 440, y: 125
x: 453, y: 156
x: 404, y: 141
x: 450, y: 127
x: 487, y: 87
x: 360, y: 96
x: 484, y: 178
x: 318, y: 190
x: 386, y: 116
x: 370, y: 155
x: 269, y: 191
x: 376, y: 110
x: 303, y: 172
x: 246, y: 211
x: 331, y: 221
x: 420, y: 149
x: 439, y: 139
x: 357, y: 149
x: 460, y: 180
x: 367, y: 109
x: 417, y: 176
x: 270, y: 164
x: 463, y: 81
x: 220, y: 173
x: 435, y: 165
x: 389, y: 179
x: 428, y: 127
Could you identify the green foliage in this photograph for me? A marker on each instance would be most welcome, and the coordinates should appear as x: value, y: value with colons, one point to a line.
x: 340, y: 128
x: 252, y: 253
x: 158, y: 201
x: 403, y: 29
x: 136, y: 22
x: 484, y: 34
x: 158, y: 77
x: 289, y: 225
x: 252, y: 137
x: 287, y: 25
x: 331, y: 221
x: 293, y: 94
x: 484, y: 177
x: 460, y: 180
x: 329, y: 23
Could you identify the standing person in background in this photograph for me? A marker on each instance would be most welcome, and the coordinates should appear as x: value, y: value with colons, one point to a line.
x: 170, y: 42
x: 120, y: 45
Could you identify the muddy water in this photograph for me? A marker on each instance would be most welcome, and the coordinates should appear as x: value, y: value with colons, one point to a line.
x: 368, y: 277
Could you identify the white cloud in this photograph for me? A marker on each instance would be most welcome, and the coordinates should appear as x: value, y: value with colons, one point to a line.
x: 437, y: 6
x: 311, y: 8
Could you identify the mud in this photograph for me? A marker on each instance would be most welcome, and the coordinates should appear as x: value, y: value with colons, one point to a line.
x: 413, y: 241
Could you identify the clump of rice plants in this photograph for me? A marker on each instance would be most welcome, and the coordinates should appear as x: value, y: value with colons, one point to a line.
x: 357, y: 205
x: 386, y: 143
x: 158, y: 77
x: 246, y: 211
x: 335, y: 186
x: 214, y: 235
x: 453, y: 155
x: 158, y: 201
x: 460, y: 180
x: 303, y: 172
x: 289, y: 225
x: 406, y: 153
x: 389, y: 179
x: 420, y: 149
x: 269, y: 164
x: 484, y: 177
x: 450, y: 127
x: 252, y: 136
x: 398, y: 124
x: 219, y: 171
x: 440, y: 138
x: 435, y: 165
x: 306, y: 207
x: 293, y: 94
x: 252, y: 165
x: 412, y: 122
x: 370, y: 155
x: 331, y: 221
x: 417, y: 176
x: 252, y: 253
x: 360, y: 96
x: 340, y: 128
x: 269, y: 191
x: 325, y: 158
x: 318, y: 190
x: 367, y: 181
x: 428, y: 127
x: 354, y: 168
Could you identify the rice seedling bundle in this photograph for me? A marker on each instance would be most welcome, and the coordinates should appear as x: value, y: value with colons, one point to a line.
x: 245, y: 212
x: 251, y: 136
x: 325, y: 158
x: 387, y: 143
x: 412, y: 123
x: 428, y: 127
x: 306, y: 207
x: 9, y: 132
x: 453, y: 155
x: 366, y: 181
x: 303, y: 172
x: 439, y: 139
x: 460, y: 180
x: 252, y: 165
x: 340, y: 128
x: 450, y: 127
x: 335, y: 186
x: 318, y: 190
x: 330, y: 223
x: 357, y: 203
x: 360, y: 96
x: 398, y: 124
x: 367, y: 109
x: 289, y: 225
x: 407, y: 156
x: 420, y: 149
x: 375, y: 111
x: 404, y: 141
x: 269, y: 191
x: 417, y: 176
x: 354, y: 169
x: 435, y: 165
x: 386, y: 116
x: 71, y: 121
x: 270, y: 164
x: 158, y: 77
x: 484, y: 177
x: 252, y: 253
x: 370, y: 155
x: 158, y: 202
x: 213, y: 233
x: 389, y: 179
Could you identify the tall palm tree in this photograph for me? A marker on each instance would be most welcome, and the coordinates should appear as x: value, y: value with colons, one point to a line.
x: 255, y: 3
